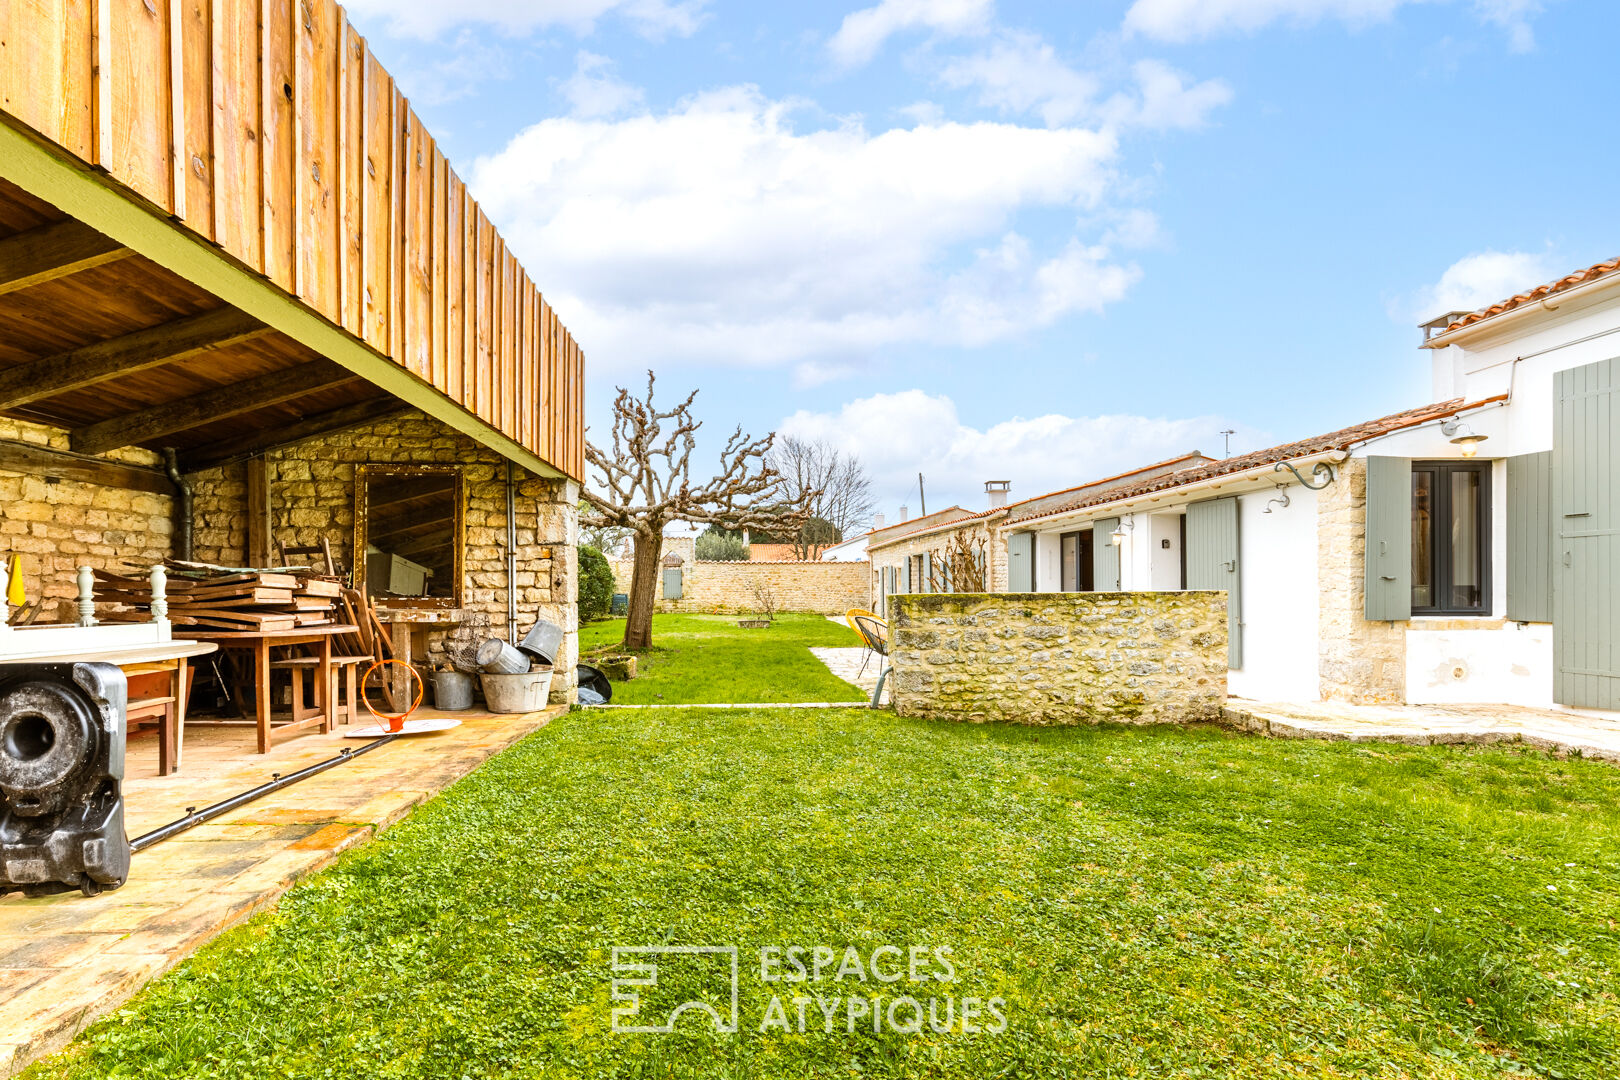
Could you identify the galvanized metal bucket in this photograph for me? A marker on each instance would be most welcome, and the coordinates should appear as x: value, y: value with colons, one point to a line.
x: 517, y: 693
x: 452, y: 691
x: 496, y: 657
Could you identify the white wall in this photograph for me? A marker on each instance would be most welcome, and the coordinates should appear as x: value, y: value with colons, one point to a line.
x: 1277, y: 554
x: 1164, y: 569
x: 1507, y: 664
x: 1048, y: 565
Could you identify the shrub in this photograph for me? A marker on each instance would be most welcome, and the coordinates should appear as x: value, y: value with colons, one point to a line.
x: 718, y: 547
x: 595, y: 584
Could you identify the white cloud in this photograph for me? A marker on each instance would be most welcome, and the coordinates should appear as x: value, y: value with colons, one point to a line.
x: 720, y: 233
x: 1485, y: 277
x: 1021, y: 73
x: 864, y: 32
x: 457, y: 72
x: 427, y: 19
x: 1190, y: 20
x: 901, y: 434
x: 593, y: 90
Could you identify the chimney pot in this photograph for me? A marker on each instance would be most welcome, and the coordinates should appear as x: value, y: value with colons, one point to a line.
x: 903, y: 513
x: 877, y: 521
x: 997, y: 491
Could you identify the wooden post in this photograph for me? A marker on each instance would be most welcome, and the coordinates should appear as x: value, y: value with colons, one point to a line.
x: 258, y: 512
x: 87, y: 596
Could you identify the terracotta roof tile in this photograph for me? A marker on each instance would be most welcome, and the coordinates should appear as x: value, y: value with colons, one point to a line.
x: 1568, y: 281
x: 1342, y: 439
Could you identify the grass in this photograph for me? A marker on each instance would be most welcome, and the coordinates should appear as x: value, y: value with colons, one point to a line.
x: 1147, y: 901
x: 710, y: 660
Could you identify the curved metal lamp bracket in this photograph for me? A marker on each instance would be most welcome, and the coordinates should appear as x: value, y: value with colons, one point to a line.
x: 1321, y: 471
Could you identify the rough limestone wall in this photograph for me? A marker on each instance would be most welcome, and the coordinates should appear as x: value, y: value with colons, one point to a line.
x: 60, y: 525
x: 1060, y: 658
x: 829, y: 588
x: 1360, y: 662
x: 312, y: 495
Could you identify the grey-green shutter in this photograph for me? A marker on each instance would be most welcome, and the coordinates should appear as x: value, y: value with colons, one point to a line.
x: 1104, y: 556
x: 1021, y: 562
x: 1530, y: 537
x: 927, y: 574
x: 672, y: 583
x: 1388, y: 567
x: 1586, y: 475
x: 908, y: 575
x: 1212, y: 563
x: 984, y: 576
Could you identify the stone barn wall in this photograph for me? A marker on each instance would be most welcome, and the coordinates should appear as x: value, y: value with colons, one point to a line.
x: 1059, y: 658
x: 312, y: 496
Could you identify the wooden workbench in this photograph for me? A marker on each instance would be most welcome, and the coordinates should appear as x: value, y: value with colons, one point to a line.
x: 260, y: 642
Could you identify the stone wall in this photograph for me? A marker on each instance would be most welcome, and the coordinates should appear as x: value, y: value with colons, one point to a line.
x: 1360, y: 662
x: 1060, y: 658
x: 312, y: 496
x: 825, y: 587
x: 58, y: 525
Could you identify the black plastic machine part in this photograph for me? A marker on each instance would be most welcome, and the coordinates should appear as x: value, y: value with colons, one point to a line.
x: 62, y: 729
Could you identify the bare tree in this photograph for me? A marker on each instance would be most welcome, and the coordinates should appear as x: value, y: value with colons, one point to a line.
x: 960, y: 566
x: 608, y: 539
x: 645, y: 482
x: 833, y: 487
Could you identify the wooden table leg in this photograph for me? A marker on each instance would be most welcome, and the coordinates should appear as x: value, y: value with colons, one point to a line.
x: 261, y: 692
x: 179, y: 695
x: 323, y: 690
x: 404, y: 642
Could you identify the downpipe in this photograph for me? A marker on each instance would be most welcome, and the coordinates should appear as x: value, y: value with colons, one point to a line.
x: 182, y: 504
x: 511, y: 557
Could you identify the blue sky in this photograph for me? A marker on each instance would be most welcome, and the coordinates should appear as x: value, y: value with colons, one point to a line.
x: 1039, y: 242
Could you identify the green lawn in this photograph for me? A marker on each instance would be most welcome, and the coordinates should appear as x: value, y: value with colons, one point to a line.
x: 710, y: 660
x: 1148, y: 902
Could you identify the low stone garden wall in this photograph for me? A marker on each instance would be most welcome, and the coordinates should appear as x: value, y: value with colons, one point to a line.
x: 1059, y: 658
x: 828, y: 588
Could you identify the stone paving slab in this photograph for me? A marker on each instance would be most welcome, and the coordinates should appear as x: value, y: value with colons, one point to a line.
x: 66, y: 960
x: 1589, y: 735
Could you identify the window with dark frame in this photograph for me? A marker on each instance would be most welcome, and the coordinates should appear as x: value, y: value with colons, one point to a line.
x: 1075, y: 570
x: 1451, y: 537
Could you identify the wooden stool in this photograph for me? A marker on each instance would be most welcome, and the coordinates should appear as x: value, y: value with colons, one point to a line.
x: 346, y: 706
x: 298, y: 665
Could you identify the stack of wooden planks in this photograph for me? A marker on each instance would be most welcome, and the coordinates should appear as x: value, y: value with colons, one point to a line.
x: 225, y: 599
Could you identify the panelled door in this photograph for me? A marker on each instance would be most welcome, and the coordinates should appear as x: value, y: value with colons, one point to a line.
x: 1212, y: 563
x: 1586, y: 476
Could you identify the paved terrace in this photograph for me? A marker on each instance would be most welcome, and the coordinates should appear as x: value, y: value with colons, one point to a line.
x: 66, y: 960
x: 1425, y: 725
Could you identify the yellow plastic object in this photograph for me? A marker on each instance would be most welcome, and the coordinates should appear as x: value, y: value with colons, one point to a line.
x: 874, y: 630
x: 15, y: 595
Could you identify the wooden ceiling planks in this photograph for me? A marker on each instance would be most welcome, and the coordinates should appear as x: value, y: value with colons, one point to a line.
x: 268, y: 128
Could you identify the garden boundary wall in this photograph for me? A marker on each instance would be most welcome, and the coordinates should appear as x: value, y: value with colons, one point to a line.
x: 1059, y: 658
x: 828, y: 588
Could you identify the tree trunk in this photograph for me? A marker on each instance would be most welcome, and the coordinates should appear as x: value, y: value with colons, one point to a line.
x: 643, y: 590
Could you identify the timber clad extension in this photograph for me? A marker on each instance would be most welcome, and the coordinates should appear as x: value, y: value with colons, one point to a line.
x: 269, y: 131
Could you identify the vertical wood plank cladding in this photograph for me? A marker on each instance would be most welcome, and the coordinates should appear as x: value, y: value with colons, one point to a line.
x: 351, y: 174
x: 236, y: 171
x: 317, y: 120
x: 277, y: 143
x: 376, y: 204
x: 196, y: 157
x: 454, y: 284
x: 47, y: 69
x: 417, y: 253
x: 138, y: 139
x: 439, y: 290
x: 266, y: 127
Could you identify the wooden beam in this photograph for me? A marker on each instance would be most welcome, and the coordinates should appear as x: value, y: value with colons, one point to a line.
x: 311, y: 427
x: 53, y: 251
x: 62, y: 465
x: 258, y: 512
x: 243, y: 397
x: 124, y: 355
